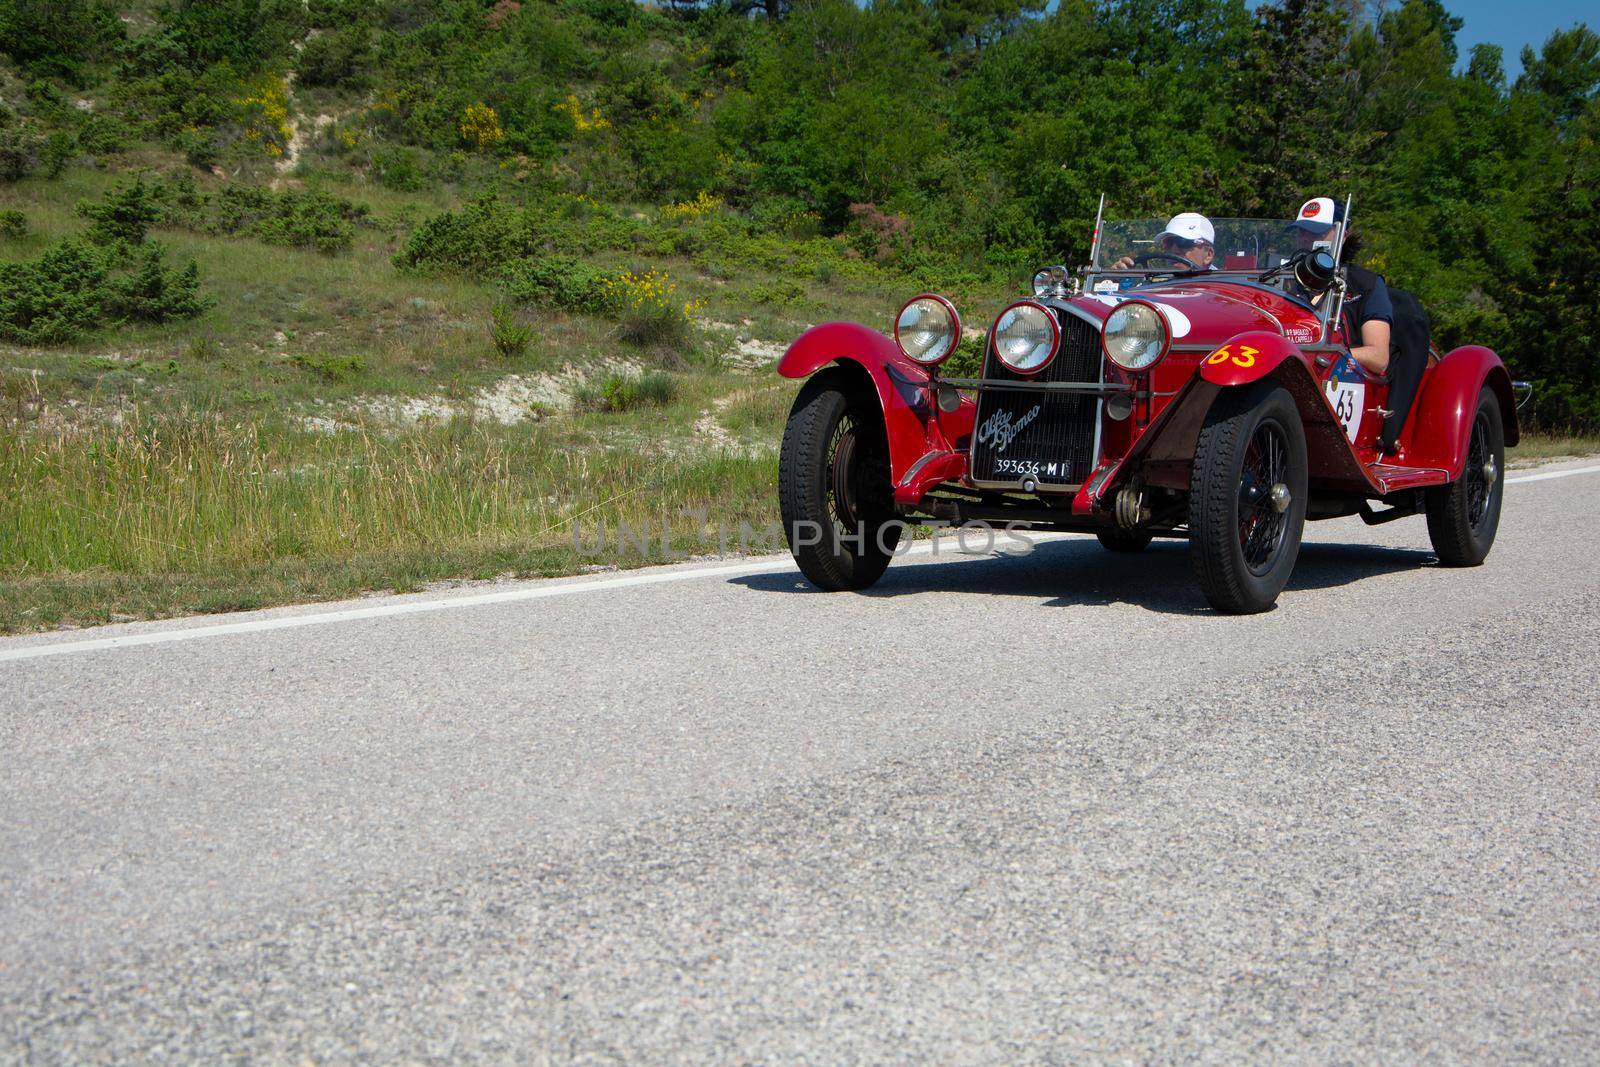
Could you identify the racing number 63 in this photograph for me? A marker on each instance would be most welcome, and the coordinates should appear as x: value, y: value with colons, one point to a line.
x: 1245, y: 357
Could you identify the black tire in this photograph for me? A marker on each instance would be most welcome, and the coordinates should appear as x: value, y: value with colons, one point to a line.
x: 1464, y: 516
x: 1120, y: 540
x: 1242, y: 546
x: 834, y: 491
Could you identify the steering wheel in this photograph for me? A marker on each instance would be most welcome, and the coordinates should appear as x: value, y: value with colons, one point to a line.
x: 1171, y: 257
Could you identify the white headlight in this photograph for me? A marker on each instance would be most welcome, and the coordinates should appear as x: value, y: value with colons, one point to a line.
x: 927, y: 329
x: 1136, y: 336
x: 1026, y: 337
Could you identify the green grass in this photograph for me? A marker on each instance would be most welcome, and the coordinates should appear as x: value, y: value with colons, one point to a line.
x: 186, y: 511
x: 1537, y: 448
x: 148, y: 471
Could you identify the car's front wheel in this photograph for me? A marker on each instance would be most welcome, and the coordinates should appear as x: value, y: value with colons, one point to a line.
x: 834, y: 490
x: 1464, y: 516
x: 1247, y: 498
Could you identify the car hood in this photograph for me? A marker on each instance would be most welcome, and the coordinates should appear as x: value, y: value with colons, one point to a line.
x: 1210, y: 312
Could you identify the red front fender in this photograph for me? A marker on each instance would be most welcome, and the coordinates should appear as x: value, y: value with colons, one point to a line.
x: 1247, y: 357
x: 924, y: 443
x: 1439, y: 426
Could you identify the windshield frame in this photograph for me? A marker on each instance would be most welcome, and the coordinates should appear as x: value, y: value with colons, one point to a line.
x: 1326, y: 310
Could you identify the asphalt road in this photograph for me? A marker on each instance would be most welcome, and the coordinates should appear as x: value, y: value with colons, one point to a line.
x: 1042, y: 808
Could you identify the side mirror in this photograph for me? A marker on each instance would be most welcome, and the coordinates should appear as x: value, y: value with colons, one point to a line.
x: 1316, y: 272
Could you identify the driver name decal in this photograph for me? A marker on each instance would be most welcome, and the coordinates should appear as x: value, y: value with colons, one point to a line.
x: 1001, y: 431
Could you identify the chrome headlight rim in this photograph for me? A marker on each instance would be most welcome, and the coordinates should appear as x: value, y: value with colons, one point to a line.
x: 955, y: 330
x: 1055, y: 337
x: 1166, y: 336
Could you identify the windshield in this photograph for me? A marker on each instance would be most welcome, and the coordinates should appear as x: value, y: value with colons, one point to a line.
x: 1241, y: 245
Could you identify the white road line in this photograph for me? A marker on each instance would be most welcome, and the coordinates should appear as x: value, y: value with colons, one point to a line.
x: 539, y: 592
x: 1552, y: 474
x: 412, y: 607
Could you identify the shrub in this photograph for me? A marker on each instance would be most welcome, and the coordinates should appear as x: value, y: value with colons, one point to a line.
x: 13, y: 225
x: 476, y: 240
x: 334, y: 58
x: 123, y: 214
x: 19, y: 153
x: 967, y: 360
x: 329, y: 368
x: 778, y: 292
x: 104, y: 135
x: 400, y: 168
x: 558, y: 281
x: 312, y: 220
x: 154, y: 292
x: 510, y: 336
x: 57, y: 297
x: 72, y: 288
x: 622, y: 392
x: 647, y: 310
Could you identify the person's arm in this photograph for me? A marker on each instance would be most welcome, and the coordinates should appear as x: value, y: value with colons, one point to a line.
x: 1377, y: 319
x: 1373, y: 351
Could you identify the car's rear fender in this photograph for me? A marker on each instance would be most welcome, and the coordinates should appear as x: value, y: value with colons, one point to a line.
x: 1440, y: 425
x: 925, y: 444
x: 1164, y: 453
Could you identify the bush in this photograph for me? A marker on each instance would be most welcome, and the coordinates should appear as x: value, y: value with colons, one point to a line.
x: 19, y: 153
x: 13, y: 225
x: 621, y: 392
x: 72, y: 288
x: 123, y: 214
x: 155, y: 293
x: 336, y: 57
x: 510, y: 336
x: 967, y: 360
x: 329, y: 368
x: 312, y: 220
x: 558, y: 281
x: 647, y: 310
x: 475, y: 240
x: 57, y: 297
x: 400, y: 169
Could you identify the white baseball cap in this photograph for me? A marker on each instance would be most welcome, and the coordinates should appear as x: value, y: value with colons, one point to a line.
x: 1189, y: 226
x: 1317, y: 214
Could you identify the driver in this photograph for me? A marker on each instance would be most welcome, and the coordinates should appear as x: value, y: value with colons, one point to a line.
x: 1189, y: 236
x: 1368, y: 311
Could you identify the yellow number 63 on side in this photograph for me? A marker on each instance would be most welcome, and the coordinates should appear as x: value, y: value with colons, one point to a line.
x: 1245, y: 357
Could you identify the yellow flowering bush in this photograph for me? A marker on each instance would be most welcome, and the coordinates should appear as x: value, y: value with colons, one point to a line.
x: 480, y: 127
x: 647, y: 307
x: 703, y: 204
x: 266, y: 116
x: 581, y: 122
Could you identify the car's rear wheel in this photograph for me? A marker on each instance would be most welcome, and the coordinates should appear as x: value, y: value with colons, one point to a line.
x: 1120, y: 540
x: 834, y: 491
x: 1464, y: 516
x: 1247, y: 498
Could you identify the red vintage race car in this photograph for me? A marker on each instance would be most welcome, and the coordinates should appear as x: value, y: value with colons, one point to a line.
x: 1146, y: 397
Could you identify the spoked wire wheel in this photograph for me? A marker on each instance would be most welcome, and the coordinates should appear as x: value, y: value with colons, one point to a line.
x: 1464, y: 516
x: 1247, y: 497
x: 834, y: 489
x: 1263, y: 496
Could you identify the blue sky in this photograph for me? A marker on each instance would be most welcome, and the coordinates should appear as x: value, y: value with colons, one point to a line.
x: 1511, y: 25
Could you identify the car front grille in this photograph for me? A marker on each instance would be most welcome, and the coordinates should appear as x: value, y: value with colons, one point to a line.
x: 1055, y: 433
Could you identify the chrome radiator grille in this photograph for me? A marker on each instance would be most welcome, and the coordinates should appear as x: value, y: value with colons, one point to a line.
x: 1046, y: 436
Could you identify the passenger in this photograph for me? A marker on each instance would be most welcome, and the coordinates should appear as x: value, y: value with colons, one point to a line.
x: 1189, y: 236
x: 1368, y: 311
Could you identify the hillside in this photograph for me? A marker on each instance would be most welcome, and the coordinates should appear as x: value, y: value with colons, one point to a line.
x: 304, y: 299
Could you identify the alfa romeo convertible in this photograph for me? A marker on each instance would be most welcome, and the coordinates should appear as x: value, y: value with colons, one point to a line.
x: 1143, y: 397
